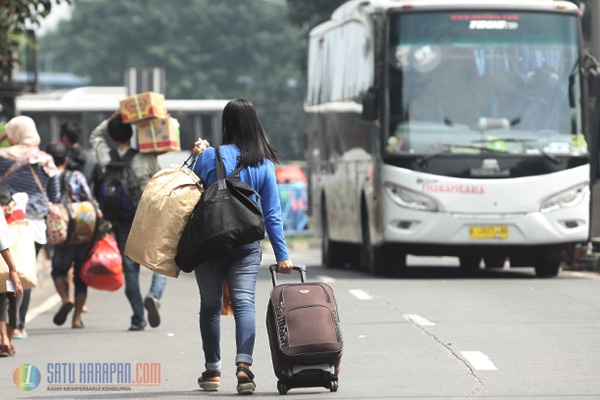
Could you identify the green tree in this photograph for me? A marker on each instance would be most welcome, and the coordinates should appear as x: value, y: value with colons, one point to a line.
x: 209, y: 49
x: 16, y: 16
x: 307, y: 14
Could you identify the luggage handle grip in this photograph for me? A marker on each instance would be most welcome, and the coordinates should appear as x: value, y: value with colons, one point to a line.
x: 300, y: 268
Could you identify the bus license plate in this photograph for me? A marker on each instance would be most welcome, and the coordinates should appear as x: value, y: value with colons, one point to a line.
x: 488, y: 232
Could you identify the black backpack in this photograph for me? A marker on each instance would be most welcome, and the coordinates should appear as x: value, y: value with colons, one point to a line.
x: 118, y: 190
x: 225, y: 217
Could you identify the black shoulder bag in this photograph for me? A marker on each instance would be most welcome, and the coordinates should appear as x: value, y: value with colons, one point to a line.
x: 224, y: 218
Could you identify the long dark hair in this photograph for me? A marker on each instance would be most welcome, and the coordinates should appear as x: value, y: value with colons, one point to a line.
x: 241, y: 126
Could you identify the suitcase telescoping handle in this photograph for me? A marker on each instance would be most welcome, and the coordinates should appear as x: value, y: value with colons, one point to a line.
x: 299, y: 268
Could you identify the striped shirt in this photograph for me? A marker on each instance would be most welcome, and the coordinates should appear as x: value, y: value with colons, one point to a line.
x: 22, y: 181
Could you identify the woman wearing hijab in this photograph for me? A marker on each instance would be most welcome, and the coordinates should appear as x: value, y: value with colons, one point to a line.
x: 18, y: 164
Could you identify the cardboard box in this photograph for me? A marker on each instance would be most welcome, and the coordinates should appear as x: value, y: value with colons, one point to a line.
x: 143, y: 106
x: 158, y: 135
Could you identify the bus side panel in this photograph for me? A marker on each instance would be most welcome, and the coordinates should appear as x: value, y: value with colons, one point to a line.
x: 340, y: 163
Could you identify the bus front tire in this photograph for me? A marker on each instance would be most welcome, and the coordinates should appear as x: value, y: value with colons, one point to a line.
x: 469, y: 262
x: 547, y: 268
x: 331, y: 251
x: 384, y: 261
x: 494, y: 261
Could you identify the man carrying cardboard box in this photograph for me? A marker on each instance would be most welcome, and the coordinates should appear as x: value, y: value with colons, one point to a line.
x: 144, y: 166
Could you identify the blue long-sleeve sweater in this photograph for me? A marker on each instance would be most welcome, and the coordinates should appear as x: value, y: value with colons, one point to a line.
x: 261, y: 179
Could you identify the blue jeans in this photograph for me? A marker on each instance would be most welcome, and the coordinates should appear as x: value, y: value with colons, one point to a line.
x: 131, y: 273
x: 240, y: 268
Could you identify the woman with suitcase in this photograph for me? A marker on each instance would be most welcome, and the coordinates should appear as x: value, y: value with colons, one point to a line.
x: 244, y: 142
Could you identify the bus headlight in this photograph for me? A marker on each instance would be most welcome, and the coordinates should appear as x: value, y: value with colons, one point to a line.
x: 565, y: 199
x: 409, y: 198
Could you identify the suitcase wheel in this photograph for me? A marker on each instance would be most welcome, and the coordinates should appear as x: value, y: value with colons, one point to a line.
x: 333, y: 386
x: 282, y: 387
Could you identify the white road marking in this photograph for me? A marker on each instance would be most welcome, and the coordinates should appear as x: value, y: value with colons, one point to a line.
x: 48, y: 304
x: 360, y: 294
x: 479, y: 361
x: 417, y: 319
x: 325, y: 278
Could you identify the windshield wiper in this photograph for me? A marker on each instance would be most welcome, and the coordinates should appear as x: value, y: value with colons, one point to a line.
x: 549, y: 156
x: 423, y: 160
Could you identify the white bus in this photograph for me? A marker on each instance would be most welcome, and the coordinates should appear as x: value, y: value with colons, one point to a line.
x: 89, y: 105
x: 450, y: 129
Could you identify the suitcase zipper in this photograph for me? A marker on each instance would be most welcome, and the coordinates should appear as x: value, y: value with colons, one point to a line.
x: 281, y: 302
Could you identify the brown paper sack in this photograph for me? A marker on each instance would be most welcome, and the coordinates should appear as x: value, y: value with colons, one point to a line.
x: 23, y: 255
x: 164, y: 209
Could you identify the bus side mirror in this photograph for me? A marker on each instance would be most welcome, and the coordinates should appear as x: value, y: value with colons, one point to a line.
x: 369, y: 103
x: 593, y: 81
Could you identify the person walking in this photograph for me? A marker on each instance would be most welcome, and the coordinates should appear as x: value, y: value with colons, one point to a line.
x: 79, y: 158
x: 10, y: 300
x: 18, y: 163
x: 74, y: 188
x: 144, y: 166
x: 245, y: 142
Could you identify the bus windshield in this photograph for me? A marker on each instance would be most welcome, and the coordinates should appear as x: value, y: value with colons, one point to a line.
x: 505, y: 80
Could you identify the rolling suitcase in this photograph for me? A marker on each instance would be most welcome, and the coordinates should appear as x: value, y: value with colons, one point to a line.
x: 304, y: 333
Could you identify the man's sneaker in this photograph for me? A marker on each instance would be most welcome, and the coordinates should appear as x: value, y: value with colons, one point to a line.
x: 134, y: 328
x: 152, y: 305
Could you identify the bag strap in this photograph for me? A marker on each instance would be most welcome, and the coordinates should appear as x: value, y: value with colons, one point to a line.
x: 39, y: 184
x: 65, y: 177
x: 126, y: 158
x: 220, y: 169
x: 15, y: 166
x: 114, y: 155
x: 234, y: 174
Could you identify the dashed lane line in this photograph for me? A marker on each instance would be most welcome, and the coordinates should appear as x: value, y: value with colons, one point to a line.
x: 360, y: 294
x: 48, y: 304
x: 479, y: 361
x: 325, y: 278
x: 417, y: 319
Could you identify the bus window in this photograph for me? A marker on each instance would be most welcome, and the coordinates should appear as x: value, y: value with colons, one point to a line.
x: 42, y: 121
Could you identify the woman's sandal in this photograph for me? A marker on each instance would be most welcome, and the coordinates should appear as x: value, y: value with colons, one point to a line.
x: 247, y: 387
x: 207, y: 384
x: 78, y: 325
x: 61, y: 316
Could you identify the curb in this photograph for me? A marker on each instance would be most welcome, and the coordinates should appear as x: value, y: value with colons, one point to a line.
x: 591, y: 263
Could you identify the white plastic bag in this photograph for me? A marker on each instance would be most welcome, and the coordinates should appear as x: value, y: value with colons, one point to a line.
x: 23, y: 254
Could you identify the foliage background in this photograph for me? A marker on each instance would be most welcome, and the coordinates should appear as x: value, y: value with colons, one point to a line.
x: 209, y: 49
